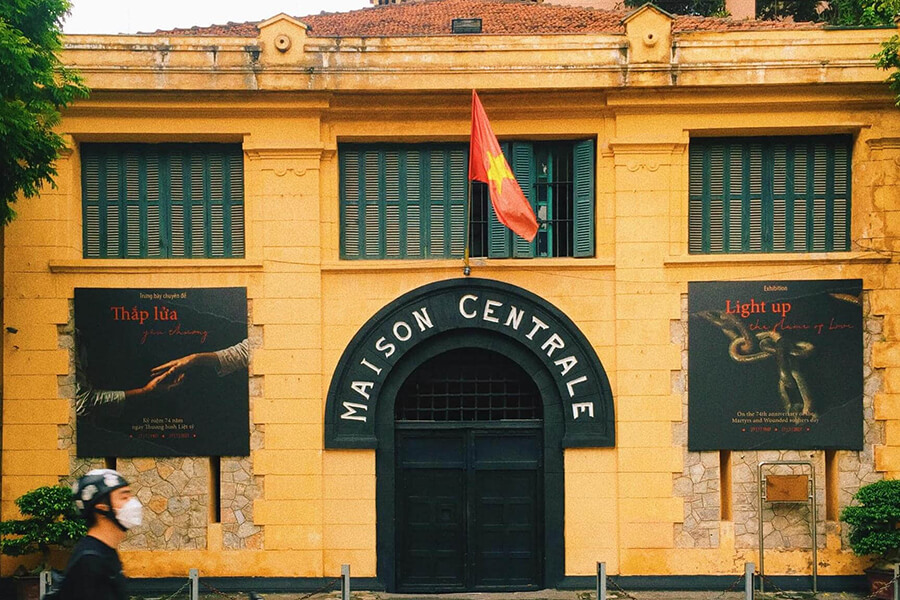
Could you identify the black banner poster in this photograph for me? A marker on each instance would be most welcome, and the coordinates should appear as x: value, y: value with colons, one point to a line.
x: 161, y: 372
x: 775, y: 365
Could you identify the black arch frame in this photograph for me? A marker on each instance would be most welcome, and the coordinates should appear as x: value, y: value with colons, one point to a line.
x: 553, y: 432
x: 441, y: 301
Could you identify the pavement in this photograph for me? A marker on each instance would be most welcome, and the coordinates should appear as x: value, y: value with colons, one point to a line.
x: 561, y: 595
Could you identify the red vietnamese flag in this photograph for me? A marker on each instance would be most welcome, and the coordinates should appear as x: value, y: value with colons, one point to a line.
x: 487, y: 164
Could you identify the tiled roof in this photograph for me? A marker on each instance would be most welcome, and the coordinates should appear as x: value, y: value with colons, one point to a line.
x: 515, y: 17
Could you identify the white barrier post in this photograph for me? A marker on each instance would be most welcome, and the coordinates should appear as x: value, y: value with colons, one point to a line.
x: 749, y: 568
x: 601, y: 581
x: 345, y: 582
x: 194, y: 575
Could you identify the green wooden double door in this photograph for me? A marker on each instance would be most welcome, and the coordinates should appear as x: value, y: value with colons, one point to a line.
x: 469, y: 509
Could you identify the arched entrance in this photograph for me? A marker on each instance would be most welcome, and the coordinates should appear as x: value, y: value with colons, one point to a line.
x: 469, y: 471
x: 469, y: 459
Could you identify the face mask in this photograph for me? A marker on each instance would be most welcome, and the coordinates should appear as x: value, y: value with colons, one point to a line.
x: 130, y: 514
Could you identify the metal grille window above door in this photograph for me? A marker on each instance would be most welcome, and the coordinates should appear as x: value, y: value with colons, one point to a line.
x: 469, y: 384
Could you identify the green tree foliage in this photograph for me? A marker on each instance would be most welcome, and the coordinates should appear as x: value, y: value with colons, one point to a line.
x: 863, y: 13
x: 874, y: 520
x: 849, y: 13
x: 34, y: 86
x: 889, y: 59
x: 705, y: 8
x: 51, y: 520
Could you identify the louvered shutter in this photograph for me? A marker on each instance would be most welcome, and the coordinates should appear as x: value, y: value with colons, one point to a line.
x: 523, y: 168
x: 769, y: 195
x: 103, y: 183
x: 402, y: 201
x: 216, y: 204
x: 801, y: 196
x: 715, y: 204
x: 155, y: 209
x: 235, y: 201
x: 840, y: 210
x: 499, y: 236
x: 438, y: 216
x: 457, y: 189
x: 197, y: 216
x: 351, y: 181
x: 413, y: 198
x: 93, y: 189
x: 733, y: 230
x: 697, y: 198
x: 178, y: 229
x: 779, y: 197
x: 392, y: 217
x: 371, y: 205
x: 583, y: 193
x: 163, y: 200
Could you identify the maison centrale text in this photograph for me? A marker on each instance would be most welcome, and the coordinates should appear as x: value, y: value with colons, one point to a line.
x: 530, y: 329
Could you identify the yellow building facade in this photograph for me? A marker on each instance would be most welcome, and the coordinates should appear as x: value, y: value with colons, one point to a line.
x: 296, y: 106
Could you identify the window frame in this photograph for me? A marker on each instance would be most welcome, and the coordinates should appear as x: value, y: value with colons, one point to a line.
x: 497, y: 242
x: 218, y: 214
x: 800, y: 210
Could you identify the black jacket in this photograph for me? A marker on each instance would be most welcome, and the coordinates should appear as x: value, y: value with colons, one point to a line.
x: 94, y: 572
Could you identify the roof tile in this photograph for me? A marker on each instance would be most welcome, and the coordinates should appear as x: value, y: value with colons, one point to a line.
x: 499, y: 17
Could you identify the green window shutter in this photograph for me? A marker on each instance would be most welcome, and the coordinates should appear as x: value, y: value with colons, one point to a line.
x: 499, y: 236
x: 732, y: 207
x: 93, y: 193
x: 372, y: 220
x: 583, y: 191
x: 223, y: 202
x: 402, y: 201
x: 698, y: 199
x: 199, y: 199
x: 115, y: 217
x: 415, y: 227
x: 523, y: 168
x: 350, y: 194
x: 162, y: 200
x: 778, y: 194
x: 216, y: 204
x: 457, y: 184
x: 841, y: 197
x: 393, y: 226
x: 718, y: 165
x: 447, y: 205
x: 180, y: 198
x: 153, y: 206
x: 235, y: 202
x: 437, y: 204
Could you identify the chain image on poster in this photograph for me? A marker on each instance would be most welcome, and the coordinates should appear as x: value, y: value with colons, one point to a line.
x: 775, y: 365
x: 161, y: 372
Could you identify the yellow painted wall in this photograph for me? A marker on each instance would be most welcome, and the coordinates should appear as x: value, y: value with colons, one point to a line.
x: 318, y: 507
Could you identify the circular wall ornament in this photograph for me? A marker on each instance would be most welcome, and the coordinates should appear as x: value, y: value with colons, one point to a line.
x: 282, y: 42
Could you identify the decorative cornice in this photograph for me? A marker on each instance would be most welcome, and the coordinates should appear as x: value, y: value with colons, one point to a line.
x: 261, y: 153
x: 647, y: 147
x: 885, y: 143
x: 118, y: 266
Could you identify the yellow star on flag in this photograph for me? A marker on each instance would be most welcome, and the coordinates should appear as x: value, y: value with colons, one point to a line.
x: 499, y: 171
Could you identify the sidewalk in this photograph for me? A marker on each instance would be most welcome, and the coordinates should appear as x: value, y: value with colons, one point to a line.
x: 572, y: 595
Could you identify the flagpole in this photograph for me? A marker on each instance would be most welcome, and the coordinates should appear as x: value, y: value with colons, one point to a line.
x: 466, y: 269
